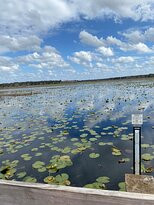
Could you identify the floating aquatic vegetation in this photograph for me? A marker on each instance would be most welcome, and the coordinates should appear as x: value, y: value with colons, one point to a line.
x: 59, y: 162
x: 126, y: 137
x: 34, y: 150
x: 30, y: 179
x: 62, y: 179
x: 7, y: 170
x: 83, y: 135
x: 116, y: 151
x: 94, y: 155
x: 107, y: 143
x: 123, y: 160
x: 1, y: 151
x: 40, y: 166
x: 32, y: 131
x: 122, y: 186
x: 103, y: 180
x: 21, y: 175
x: 26, y: 157
x: 66, y: 150
x: 147, y: 157
x: 38, y: 154
x: 93, y: 139
x: 99, y: 184
x: 145, y: 146
x: 49, y: 180
x: 74, y: 139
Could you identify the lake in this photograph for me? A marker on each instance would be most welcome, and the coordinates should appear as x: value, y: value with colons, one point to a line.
x: 78, y: 135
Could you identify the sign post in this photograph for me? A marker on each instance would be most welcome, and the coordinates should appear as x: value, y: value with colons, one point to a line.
x: 137, y: 121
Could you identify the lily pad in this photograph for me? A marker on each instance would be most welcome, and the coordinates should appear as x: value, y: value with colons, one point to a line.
x: 30, y: 179
x: 122, y: 186
x: 94, y: 155
x: 62, y: 179
x: 147, y: 157
x: 116, y: 151
x: 21, y: 175
x: 38, y: 165
x: 103, y: 180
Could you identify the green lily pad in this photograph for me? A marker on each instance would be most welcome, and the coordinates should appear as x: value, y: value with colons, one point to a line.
x: 38, y: 154
x: 95, y: 185
x: 42, y: 169
x: 49, y: 179
x: 30, y: 179
x: 21, y: 175
x: 94, y: 155
x: 62, y: 179
x: 59, y: 162
x: 116, y: 151
x: 147, y: 157
x: 103, y: 180
x: 122, y: 186
x: 38, y: 165
x: 26, y: 157
x: 145, y: 146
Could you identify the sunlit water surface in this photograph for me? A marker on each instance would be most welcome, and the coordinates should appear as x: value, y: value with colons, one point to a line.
x: 89, y: 124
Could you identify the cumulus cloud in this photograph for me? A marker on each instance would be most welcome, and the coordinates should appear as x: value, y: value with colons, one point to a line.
x: 7, y: 65
x: 89, y: 39
x: 113, y: 41
x: 22, y: 22
x: 105, y: 51
x: 141, y: 47
x: 19, y: 43
x: 82, y: 58
x: 123, y: 59
x: 47, y: 58
x: 125, y: 46
x: 136, y: 36
x: 33, y: 16
x: 134, y: 9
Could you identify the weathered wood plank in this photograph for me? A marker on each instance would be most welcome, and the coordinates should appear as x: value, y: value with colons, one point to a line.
x: 19, y: 193
x: 139, y: 183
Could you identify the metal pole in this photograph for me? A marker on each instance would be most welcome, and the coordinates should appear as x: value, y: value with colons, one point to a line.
x: 137, y: 121
x: 137, y: 150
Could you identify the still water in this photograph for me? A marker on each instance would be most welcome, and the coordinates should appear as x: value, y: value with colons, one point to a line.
x: 77, y: 135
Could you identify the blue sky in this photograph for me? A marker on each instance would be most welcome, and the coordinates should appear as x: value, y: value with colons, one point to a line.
x: 75, y: 39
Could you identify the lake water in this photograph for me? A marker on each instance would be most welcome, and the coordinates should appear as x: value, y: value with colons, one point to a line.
x: 75, y: 134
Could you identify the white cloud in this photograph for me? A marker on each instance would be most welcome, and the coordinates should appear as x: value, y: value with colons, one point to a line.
x: 33, y: 16
x: 124, y: 46
x: 124, y: 59
x: 135, y: 9
x: 149, y: 34
x: 7, y: 65
x: 141, y: 47
x: 105, y: 51
x: 89, y: 39
x: 19, y: 43
x: 137, y: 36
x: 113, y: 41
x: 134, y: 36
x: 47, y: 58
x: 83, y: 58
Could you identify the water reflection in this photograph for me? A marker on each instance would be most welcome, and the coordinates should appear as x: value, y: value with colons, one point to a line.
x: 74, y: 120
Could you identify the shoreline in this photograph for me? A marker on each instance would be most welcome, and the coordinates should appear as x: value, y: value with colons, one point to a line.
x: 29, y: 84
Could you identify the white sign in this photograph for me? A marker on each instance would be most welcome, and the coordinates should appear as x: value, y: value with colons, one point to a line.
x: 137, y: 119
